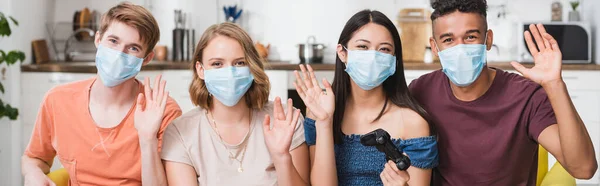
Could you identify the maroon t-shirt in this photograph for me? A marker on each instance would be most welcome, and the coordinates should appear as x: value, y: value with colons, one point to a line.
x: 491, y: 140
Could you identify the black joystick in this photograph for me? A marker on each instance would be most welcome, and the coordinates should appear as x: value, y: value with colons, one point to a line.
x: 382, y: 141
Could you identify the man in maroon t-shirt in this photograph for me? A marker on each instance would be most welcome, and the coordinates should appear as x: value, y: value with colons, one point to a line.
x: 489, y: 121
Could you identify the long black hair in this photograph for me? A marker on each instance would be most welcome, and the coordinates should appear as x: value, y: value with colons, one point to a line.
x: 394, y: 87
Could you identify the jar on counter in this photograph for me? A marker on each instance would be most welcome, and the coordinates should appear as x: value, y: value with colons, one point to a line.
x: 428, y: 57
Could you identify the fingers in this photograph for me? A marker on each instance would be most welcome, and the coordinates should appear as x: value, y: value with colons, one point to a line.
x: 300, y: 91
x: 313, y: 78
x: 147, y: 89
x: 295, y: 118
x: 543, y: 33
x: 383, y: 177
x: 266, y: 123
x: 290, y: 110
x: 140, y: 102
x: 161, y: 93
x: 552, y: 41
x: 520, y: 68
x: 328, y: 88
x: 537, y: 36
x: 395, y: 176
x: 393, y: 166
x: 278, y: 109
x: 299, y: 81
x: 532, y: 48
x: 156, y: 86
x: 306, y: 77
x: 163, y: 102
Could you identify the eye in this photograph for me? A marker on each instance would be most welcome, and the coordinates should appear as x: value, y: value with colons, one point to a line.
x: 385, y: 50
x: 240, y: 63
x: 471, y: 37
x: 216, y: 64
x: 135, y: 49
x: 447, y: 40
x: 113, y: 41
x: 362, y: 47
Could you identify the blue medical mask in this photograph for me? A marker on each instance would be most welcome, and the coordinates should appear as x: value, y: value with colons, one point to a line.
x: 463, y: 63
x: 115, y: 67
x: 228, y: 84
x: 369, y: 68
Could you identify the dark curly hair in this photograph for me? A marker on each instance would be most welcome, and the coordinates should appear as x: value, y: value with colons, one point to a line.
x: 444, y: 7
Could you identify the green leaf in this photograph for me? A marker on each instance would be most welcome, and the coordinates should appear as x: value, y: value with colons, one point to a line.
x: 11, y: 112
x: 1, y: 88
x: 14, y: 20
x: 2, y: 56
x: 4, y: 27
x: 13, y: 56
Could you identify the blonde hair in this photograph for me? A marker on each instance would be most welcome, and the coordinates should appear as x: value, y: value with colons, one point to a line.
x: 258, y: 94
x: 135, y: 16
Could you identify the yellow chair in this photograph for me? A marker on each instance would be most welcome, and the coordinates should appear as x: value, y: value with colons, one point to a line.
x: 60, y: 177
x: 556, y: 176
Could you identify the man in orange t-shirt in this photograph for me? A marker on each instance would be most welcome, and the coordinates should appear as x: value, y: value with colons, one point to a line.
x: 100, y: 132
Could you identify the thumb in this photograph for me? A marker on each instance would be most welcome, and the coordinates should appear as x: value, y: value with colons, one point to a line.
x: 520, y: 68
x: 266, y: 123
x: 140, y: 102
x: 328, y: 88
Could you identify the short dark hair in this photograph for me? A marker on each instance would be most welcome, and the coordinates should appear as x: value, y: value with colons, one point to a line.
x: 444, y: 7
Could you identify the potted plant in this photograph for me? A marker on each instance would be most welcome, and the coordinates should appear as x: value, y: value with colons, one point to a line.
x: 10, y: 58
x: 574, y: 14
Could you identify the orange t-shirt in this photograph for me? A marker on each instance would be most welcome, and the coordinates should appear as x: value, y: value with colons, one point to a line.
x: 92, y: 155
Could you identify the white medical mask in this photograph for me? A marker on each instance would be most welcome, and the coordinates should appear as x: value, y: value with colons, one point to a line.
x: 228, y: 84
x: 463, y: 63
x: 115, y: 67
x: 369, y: 68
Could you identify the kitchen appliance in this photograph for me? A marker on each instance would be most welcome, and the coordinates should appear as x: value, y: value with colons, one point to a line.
x: 311, y: 51
x: 574, y: 40
x: 183, y: 37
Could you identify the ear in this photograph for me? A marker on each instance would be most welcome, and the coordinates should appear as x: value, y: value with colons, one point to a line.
x: 434, y: 48
x: 97, y: 38
x: 148, y: 58
x: 199, y: 70
x: 342, y: 53
x: 490, y: 39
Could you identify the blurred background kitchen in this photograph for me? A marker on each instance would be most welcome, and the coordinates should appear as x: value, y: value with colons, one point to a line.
x: 56, y: 38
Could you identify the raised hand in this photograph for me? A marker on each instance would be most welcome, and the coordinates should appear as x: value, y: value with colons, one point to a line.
x: 279, y: 132
x: 391, y: 176
x: 547, y: 56
x: 320, y: 103
x: 150, y: 108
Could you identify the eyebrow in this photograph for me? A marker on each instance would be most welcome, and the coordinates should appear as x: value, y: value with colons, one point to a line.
x: 473, y: 31
x: 450, y: 34
x: 216, y: 58
x: 367, y: 41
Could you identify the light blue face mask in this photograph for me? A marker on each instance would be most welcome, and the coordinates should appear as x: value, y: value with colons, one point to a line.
x: 369, y: 68
x: 115, y: 67
x: 228, y: 84
x: 463, y: 63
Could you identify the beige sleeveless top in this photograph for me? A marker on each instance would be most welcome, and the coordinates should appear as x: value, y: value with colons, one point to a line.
x: 191, y: 140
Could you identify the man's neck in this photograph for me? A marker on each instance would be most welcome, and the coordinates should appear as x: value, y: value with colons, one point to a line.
x: 477, y: 88
x: 120, y: 95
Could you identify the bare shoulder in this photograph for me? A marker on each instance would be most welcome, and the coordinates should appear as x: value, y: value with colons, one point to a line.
x: 412, y: 125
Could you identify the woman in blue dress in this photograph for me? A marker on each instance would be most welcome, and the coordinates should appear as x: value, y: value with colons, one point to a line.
x: 369, y: 92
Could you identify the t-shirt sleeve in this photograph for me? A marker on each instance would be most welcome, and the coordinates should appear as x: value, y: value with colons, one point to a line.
x: 541, y: 115
x: 174, y: 147
x: 172, y: 111
x: 298, y: 137
x: 40, y: 144
x: 310, y: 132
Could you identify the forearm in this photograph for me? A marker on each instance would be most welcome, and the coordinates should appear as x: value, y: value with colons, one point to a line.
x: 576, y: 145
x: 153, y: 172
x: 323, y: 171
x: 287, y: 173
x: 31, y: 165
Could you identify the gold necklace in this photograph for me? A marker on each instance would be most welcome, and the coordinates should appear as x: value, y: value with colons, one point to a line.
x: 231, y: 155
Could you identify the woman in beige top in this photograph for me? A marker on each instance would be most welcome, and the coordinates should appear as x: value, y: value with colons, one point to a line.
x: 230, y: 138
